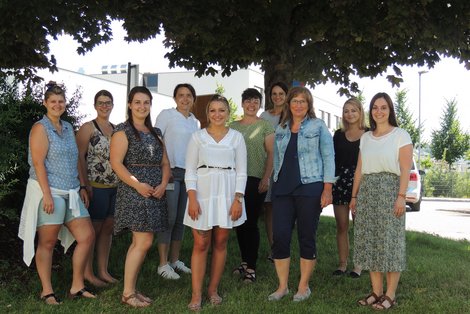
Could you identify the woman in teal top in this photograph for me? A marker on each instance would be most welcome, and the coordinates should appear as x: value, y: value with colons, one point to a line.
x: 259, y: 138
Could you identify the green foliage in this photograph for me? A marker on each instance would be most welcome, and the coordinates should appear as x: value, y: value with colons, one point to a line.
x: 439, y: 181
x: 405, y: 118
x: 449, y: 143
x: 233, y: 106
x: 28, y: 26
x: 426, y: 162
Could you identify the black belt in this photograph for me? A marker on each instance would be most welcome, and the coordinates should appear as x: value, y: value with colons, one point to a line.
x: 213, y: 167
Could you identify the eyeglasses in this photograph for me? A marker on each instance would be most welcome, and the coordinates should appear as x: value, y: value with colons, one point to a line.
x: 254, y: 101
x: 108, y: 103
x: 298, y: 102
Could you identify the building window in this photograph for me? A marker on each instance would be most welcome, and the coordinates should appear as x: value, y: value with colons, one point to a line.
x: 338, y: 122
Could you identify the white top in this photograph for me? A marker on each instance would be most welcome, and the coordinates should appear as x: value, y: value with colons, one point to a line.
x: 380, y: 154
x: 29, y: 217
x: 215, y: 187
x: 176, y: 130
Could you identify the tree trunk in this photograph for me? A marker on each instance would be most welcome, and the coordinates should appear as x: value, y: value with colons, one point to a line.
x: 276, y: 72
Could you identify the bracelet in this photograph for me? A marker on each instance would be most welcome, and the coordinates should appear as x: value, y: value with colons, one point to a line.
x: 402, y: 195
x: 82, y: 187
x: 353, y: 196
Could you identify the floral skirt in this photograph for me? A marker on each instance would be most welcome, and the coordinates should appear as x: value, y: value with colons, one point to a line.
x: 379, y: 236
x: 343, y: 186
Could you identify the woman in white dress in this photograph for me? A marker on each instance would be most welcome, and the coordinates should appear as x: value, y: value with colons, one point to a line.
x: 215, y: 180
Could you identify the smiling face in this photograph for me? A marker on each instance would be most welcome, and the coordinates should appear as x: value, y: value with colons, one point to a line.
x: 278, y: 96
x: 140, y: 106
x: 217, y: 113
x: 251, y: 107
x: 55, y: 105
x: 380, y: 111
x: 104, y: 106
x: 184, y: 99
x: 298, y: 106
x: 351, y: 113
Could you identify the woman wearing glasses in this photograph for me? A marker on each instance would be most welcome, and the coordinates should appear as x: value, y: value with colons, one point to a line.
x: 55, y: 198
x: 259, y: 137
x: 93, y: 140
x: 304, y: 173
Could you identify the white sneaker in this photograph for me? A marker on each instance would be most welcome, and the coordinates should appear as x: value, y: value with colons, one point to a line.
x: 168, y: 272
x: 179, y: 266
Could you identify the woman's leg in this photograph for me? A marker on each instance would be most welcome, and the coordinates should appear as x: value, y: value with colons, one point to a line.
x: 202, y: 242
x: 104, y: 240
x: 342, y: 239
x: 219, y: 254
x: 268, y: 221
x: 376, y: 279
x: 47, y: 238
x: 89, y: 273
x: 392, y: 284
x: 82, y: 231
x: 141, y: 243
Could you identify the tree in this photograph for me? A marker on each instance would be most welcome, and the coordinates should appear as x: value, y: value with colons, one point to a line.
x: 27, y: 27
x: 449, y: 143
x: 233, y: 106
x: 309, y: 41
x: 405, y: 118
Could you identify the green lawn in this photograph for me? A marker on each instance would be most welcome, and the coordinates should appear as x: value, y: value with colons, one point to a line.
x: 437, y: 281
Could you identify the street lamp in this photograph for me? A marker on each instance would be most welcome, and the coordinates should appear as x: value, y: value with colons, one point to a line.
x: 419, y: 118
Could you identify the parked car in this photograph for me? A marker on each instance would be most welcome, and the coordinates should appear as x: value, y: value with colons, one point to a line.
x: 415, y: 190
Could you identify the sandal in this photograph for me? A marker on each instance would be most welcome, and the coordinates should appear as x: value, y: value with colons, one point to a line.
x: 81, y: 294
x: 384, y: 303
x: 133, y: 300
x: 369, y: 300
x: 51, y: 295
x: 195, y: 307
x: 240, y: 270
x: 143, y: 297
x: 249, y: 277
x: 215, y: 299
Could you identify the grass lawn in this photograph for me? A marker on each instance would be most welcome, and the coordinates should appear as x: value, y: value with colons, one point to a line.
x: 437, y: 281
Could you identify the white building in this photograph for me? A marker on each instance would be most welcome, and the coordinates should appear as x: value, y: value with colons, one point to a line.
x: 114, y: 79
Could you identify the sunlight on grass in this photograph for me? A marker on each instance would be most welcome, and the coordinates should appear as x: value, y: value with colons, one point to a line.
x: 437, y: 281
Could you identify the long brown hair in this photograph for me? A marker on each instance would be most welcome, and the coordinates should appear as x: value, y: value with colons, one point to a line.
x: 392, y: 118
x: 147, y: 121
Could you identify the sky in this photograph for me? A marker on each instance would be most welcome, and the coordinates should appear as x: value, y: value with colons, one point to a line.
x: 447, y: 80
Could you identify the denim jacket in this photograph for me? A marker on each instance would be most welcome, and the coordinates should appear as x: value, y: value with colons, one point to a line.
x: 314, y: 148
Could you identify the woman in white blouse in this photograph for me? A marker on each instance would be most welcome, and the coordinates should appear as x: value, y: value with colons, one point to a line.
x: 215, y: 180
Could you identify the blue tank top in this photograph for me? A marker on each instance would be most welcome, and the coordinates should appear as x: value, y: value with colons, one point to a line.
x: 62, y: 157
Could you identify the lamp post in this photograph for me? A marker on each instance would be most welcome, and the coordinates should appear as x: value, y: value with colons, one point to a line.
x: 419, y: 118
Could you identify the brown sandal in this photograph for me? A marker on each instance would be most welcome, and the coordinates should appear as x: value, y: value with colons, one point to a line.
x: 143, y: 297
x: 215, y: 299
x: 384, y: 303
x: 133, y: 300
x: 45, y: 299
x: 365, y: 301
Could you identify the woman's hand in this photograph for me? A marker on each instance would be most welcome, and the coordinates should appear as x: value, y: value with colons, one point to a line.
x: 48, y: 204
x: 194, y: 210
x: 326, y: 198
x: 400, y: 207
x: 235, y: 210
x: 263, y: 185
x: 84, y: 196
x: 144, y: 189
x: 352, y: 206
x: 159, y: 191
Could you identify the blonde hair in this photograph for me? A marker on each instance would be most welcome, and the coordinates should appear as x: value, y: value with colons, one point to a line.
x: 362, y: 120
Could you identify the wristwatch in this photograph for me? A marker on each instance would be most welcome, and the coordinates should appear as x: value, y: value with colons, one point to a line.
x: 239, y: 197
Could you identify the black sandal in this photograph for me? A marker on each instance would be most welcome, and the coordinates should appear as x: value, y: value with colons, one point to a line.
x: 249, y: 277
x: 51, y: 295
x: 80, y: 294
x: 241, y: 269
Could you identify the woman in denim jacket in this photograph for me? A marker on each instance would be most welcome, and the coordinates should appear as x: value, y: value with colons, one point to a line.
x: 304, y: 172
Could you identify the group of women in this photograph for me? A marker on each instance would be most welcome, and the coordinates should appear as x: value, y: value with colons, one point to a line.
x: 156, y: 179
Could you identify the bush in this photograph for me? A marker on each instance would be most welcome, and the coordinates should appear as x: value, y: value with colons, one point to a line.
x: 439, y: 181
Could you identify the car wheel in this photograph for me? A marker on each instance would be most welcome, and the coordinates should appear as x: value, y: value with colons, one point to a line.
x: 416, y: 206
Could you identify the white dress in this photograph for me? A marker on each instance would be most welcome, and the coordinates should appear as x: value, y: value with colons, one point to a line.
x: 215, y: 187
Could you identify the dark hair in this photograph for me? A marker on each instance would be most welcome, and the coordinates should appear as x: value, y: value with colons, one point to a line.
x: 251, y: 93
x: 52, y: 88
x: 188, y: 86
x: 103, y: 92
x: 220, y: 98
x: 294, y: 92
x: 147, y: 121
x: 392, y: 119
x: 282, y: 85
